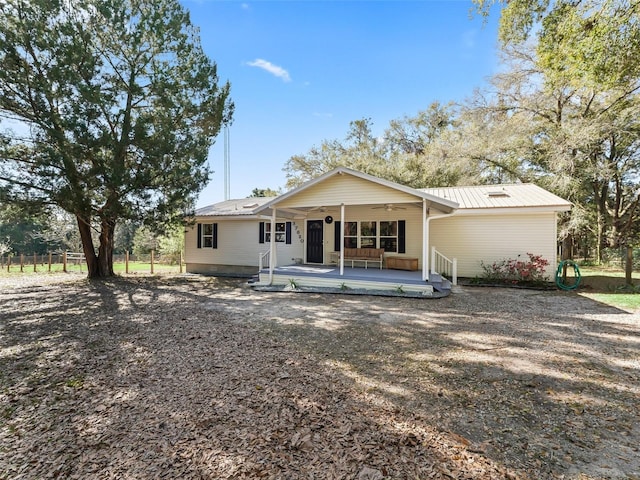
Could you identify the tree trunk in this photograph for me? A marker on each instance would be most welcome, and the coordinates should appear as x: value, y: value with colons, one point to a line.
x: 87, y: 248
x: 100, y: 265
x: 105, y: 252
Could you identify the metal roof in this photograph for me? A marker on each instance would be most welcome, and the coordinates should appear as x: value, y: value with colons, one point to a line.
x: 524, y: 195
x: 233, y: 208
x: 520, y: 195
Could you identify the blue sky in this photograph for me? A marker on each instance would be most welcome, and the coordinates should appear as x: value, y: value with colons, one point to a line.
x: 300, y: 71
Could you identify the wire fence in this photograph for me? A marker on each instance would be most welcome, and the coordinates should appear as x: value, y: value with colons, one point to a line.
x: 76, y: 262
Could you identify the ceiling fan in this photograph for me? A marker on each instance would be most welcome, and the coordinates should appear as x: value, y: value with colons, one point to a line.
x: 323, y: 209
x: 389, y: 207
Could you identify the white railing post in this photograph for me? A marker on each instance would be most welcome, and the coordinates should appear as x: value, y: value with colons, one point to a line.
x: 454, y: 273
x: 433, y: 260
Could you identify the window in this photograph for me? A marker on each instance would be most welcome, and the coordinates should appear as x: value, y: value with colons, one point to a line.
x: 350, y: 234
x: 368, y: 235
x: 283, y: 232
x: 389, y: 236
x: 207, y: 235
x: 280, y: 232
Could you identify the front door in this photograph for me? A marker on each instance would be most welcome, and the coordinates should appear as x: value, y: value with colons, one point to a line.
x: 314, y: 241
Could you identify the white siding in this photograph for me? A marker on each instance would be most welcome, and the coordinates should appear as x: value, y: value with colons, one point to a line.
x: 238, y: 244
x: 487, y: 238
x: 349, y: 190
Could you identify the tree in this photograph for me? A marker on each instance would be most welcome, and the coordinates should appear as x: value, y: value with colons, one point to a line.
x: 264, y: 192
x: 588, y: 42
x: 412, y: 151
x: 114, y: 107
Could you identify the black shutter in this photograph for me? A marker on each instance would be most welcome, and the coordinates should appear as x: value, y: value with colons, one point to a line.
x: 215, y: 236
x: 287, y: 229
x: 402, y: 236
x: 261, y: 239
x: 336, y: 244
x: 199, y: 235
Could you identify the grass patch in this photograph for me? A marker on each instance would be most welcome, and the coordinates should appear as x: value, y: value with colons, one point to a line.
x: 627, y: 301
x: 608, y: 285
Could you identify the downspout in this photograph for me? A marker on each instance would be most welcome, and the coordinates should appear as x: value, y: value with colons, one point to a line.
x: 341, y: 239
x: 272, y: 246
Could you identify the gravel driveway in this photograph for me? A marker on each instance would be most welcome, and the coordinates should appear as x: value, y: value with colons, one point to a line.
x: 190, y: 377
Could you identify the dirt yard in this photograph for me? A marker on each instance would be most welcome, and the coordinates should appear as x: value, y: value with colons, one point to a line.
x: 197, y: 378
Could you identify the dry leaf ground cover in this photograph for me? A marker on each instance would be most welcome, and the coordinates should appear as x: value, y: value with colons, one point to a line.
x: 189, y: 377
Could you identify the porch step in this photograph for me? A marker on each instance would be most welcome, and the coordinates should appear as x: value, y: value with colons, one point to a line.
x: 254, y: 279
x: 439, y: 283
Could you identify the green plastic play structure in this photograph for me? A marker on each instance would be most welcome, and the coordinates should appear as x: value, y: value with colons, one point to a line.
x: 559, y: 275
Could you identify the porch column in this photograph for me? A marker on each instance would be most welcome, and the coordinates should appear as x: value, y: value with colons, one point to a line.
x: 425, y: 242
x: 272, y: 246
x: 341, y: 239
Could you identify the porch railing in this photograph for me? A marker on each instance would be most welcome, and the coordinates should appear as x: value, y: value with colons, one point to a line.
x: 264, y: 259
x: 444, y: 266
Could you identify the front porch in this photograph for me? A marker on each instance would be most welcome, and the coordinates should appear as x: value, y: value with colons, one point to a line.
x: 328, y: 276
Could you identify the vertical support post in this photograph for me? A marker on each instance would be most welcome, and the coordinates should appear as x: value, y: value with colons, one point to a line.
x: 21, y: 262
x: 64, y: 261
x: 35, y: 262
x: 126, y: 261
x: 342, y: 222
x: 152, y: 252
x: 8, y: 263
x: 272, y: 246
x: 425, y: 242
x: 49, y: 261
x: 180, y: 261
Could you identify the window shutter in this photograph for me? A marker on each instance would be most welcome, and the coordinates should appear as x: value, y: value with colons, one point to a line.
x: 199, y: 235
x: 215, y: 236
x: 287, y: 229
x: 401, y: 236
x: 261, y: 239
x: 336, y: 243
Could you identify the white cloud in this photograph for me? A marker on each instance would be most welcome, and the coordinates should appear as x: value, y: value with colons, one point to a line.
x: 271, y: 68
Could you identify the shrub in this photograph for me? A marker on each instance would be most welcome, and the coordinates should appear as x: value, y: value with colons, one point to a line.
x: 516, y: 271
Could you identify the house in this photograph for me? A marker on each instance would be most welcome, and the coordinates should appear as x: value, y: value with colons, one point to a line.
x: 309, y: 233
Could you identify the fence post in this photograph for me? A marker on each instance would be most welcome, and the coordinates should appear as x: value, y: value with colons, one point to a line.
x: 64, y: 262
x: 151, y: 261
x: 35, y: 262
x: 180, y: 261
x: 21, y: 262
x: 628, y: 271
x: 49, y: 262
x: 126, y: 262
x: 8, y: 263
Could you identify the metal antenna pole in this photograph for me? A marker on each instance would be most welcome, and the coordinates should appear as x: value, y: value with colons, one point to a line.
x: 227, y: 164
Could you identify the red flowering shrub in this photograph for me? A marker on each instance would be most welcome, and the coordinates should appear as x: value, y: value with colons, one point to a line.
x: 516, y: 271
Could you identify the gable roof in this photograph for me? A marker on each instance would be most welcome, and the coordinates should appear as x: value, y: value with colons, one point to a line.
x: 521, y: 195
x: 233, y: 208
x: 446, y: 204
